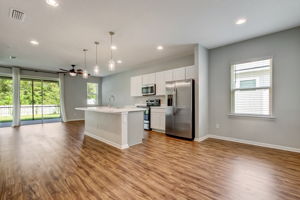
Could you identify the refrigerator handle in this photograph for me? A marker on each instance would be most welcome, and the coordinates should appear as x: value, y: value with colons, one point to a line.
x: 174, y: 100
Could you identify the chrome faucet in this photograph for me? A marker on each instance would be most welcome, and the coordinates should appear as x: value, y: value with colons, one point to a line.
x: 111, y: 100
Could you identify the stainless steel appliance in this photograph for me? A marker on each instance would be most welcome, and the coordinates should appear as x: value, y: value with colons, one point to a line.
x: 180, y: 112
x: 147, y: 125
x: 147, y: 112
x: 153, y: 102
x: 149, y: 89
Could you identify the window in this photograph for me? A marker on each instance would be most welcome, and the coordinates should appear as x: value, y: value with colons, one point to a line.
x: 248, y: 83
x: 6, y: 101
x: 92, y: 93
x: 251, y: 88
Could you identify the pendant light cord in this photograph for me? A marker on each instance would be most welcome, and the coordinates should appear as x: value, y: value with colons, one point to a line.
x: 96, y: 54
x: 85, y: 60
x: 97, y: 43
x: 85, y: 50
x: 111, y: 47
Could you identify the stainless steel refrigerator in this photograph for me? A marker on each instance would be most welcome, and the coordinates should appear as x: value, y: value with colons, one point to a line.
x: 180, y: 112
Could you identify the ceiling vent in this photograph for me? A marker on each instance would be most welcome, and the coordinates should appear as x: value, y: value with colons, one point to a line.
x: 16, y: 15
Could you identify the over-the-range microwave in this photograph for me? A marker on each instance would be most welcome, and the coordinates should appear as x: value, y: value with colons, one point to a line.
x: 148, y: 89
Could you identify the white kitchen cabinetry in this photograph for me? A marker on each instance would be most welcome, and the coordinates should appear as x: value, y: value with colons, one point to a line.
x: 158, y: 118
x: 136, y: 86
x: 148, y: 79
x: 190, y: 72
x: 160, y: 83
x: 179, y: 74
x: 160, y: 79
x: 168, y: 75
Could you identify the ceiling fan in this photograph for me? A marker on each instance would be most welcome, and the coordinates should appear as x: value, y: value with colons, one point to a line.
x: 73, y: 71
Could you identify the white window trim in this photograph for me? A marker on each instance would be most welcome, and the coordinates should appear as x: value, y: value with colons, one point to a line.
x: 97, y: 94
x: 232, y: 103
x: 39, y: 78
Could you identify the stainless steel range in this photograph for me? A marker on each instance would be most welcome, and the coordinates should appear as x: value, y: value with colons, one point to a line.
x: 147, y: 113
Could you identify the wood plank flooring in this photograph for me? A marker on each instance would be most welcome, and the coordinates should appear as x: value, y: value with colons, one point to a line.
x: 56, y: 161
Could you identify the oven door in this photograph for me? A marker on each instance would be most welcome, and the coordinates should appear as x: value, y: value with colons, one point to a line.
x: 148, y: 90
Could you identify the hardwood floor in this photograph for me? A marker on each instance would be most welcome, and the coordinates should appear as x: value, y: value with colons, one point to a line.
x: 56, y: 161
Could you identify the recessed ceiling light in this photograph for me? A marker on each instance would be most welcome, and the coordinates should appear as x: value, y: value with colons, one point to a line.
x: 159, y: 47
x: 113, y: 47
x: 119, y: 61
x: 241, y: 21
x: 34, y: 42
x: 52, y: 3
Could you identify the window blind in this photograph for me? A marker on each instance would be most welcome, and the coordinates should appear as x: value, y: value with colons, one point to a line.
x: 251, y: 87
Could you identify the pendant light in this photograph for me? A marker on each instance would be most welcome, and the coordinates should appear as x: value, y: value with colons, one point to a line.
x: 111, y: 62
x: 96, y: 69
x: 85, y: 74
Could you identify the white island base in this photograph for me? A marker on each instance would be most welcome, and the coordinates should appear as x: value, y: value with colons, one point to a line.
x: 119, y: 127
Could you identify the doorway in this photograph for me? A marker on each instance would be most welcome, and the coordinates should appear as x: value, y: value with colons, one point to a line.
x: 40, y: 101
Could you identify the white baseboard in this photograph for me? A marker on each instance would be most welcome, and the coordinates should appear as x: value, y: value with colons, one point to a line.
x: 261, y: 144
x: 158, y: 130
x: 72, y: 120
x: 200, y: 139
x: 106, y: 141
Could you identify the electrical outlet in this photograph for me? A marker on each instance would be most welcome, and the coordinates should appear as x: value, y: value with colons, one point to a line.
x: 217, y: 126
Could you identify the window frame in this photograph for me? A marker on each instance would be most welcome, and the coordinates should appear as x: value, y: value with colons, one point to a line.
x: 97, y: 94
x: 233, y: 89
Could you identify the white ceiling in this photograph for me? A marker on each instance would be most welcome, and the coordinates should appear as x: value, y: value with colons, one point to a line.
x: 140, y: 26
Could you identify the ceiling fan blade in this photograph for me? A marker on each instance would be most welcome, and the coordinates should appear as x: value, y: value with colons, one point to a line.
x: 64, y: 70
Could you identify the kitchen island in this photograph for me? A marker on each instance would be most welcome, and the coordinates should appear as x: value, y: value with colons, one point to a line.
x: 119, y: 127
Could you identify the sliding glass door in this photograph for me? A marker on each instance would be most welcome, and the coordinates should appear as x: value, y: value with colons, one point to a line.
x: 39, y: 101
x: 6, y: 101
x: 51, y: 100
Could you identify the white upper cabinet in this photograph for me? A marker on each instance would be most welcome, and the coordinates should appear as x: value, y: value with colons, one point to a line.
x: 179, y: 74
x: 168, y: 75
x: 136, y: 86
x: 190, y: 72
x: 160, y: 79
x: 148, y: 79
x: 160, y: 83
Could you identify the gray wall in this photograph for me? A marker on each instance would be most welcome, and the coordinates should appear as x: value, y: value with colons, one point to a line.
x: 119, y: 84
x: 284, y: 47
x: 76, y: 95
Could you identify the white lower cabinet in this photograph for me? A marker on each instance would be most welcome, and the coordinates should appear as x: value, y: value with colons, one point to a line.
x: 158, y: 118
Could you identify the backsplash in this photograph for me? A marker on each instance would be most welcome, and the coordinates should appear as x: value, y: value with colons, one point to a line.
x: 142, y: 100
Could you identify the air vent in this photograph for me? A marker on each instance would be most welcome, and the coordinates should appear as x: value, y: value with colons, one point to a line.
x: 16, y: 15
